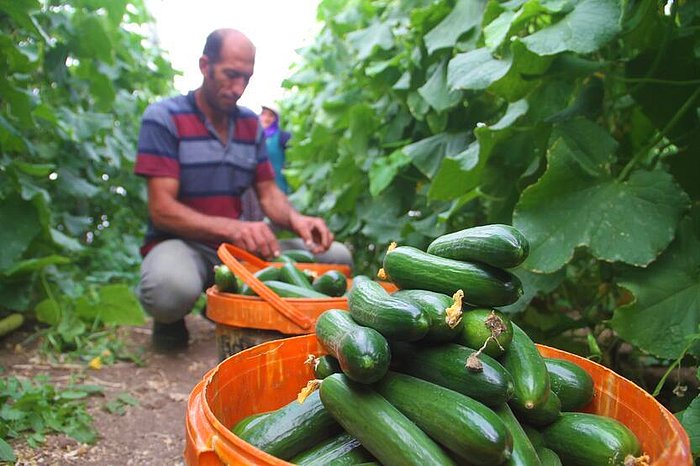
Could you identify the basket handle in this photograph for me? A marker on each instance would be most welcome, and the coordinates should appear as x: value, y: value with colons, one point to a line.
x: 228, y: 254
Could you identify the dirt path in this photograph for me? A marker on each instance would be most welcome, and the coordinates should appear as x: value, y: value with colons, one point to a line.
x: 150, y: 433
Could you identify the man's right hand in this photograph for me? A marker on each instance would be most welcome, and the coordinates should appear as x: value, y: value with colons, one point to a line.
x: 255, y: 237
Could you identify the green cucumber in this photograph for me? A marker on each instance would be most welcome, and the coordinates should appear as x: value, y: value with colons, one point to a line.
x: 284, y: 259
x: 299, y: 255
x: 548, y: 457
x: 325, y: 366
x: 285, y: 290
x: 497, y: 245
x: 534, y: 435
x: 248, y: 423
x: 480, y: 324
x: 445, y: 365
x: 581, y: 439
x: 290, y: 274
x: 268, y: 273
x: 293, y: 428
x: 459, y: 423
x: 370, y: 305
x: 381, y: 428
x: 342, y: 449
x: 362, y: 352
x: 224, y: 279
x: 526, y: 365
x: 483, y: 285
x: 572, y: 384
x: 434, y: 306
x: 332, y: 283
x: 523, y: 454
x: 542, y: 414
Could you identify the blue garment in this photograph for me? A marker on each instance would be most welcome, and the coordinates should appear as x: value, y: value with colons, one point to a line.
x: 275, y: 145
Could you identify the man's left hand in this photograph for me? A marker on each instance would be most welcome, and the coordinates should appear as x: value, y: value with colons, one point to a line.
x: 313, y: 230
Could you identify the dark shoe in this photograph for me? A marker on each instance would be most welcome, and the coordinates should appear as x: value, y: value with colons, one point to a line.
x: 169, y: 338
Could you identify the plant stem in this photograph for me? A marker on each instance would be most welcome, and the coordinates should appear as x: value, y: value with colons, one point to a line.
x: 664, y: 133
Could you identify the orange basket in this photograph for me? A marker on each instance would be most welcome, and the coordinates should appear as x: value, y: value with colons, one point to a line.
x: 254, y: 263
x: 270, y: 375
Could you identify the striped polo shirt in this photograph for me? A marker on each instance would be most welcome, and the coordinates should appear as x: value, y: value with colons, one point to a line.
x: 177, y: 141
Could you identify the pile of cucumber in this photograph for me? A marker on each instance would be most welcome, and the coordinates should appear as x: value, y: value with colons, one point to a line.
x: 288, y: 281
x: 408, y: 381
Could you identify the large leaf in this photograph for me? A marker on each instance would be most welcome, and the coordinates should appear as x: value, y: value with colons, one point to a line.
x: 666, y: 308
x: 427, y: 154
x: 591, y: 24
x: 436, y: 92
x: 690, y: 418
x: 578, y: 203
x: 377, y: 35
x: 465, y: 16
x: 476, y: 70
x: 20, y: 226
x: 116, y: 304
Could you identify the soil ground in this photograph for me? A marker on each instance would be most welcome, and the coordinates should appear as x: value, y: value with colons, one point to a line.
x: 148, y: 433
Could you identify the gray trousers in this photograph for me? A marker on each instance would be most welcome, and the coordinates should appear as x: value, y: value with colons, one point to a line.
x: 176, y: 272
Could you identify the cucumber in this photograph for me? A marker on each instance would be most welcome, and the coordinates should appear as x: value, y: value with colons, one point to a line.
x: 534, y: 435
x: 325, y: 366
x: 332, y: 283
x: 370, y: 305
x: 362, y: 352
x: 224, y: 279
x: 293, y: 428
x: 248, y: 423
x: 497, y: 245
x: 548, y: 457
x: 445, y: 365
x: 290, y: 274
x: 434, y: 306
x: 268, y: 273
x: 541, y: 415
x: 299, y: 255
x: 483, y: 285
x: 381, y: 428
x: 523, y: 454
x: 342, y: 449
x: 581, y: 439
x: 283, y: 258
x: 572, y: 384
x: 530, y: 376
x: 285, y: 290
x: 459, y: 423
x: 479, y: 325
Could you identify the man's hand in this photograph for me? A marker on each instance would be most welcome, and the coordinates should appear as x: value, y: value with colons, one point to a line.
x: 255, y: 237
x: 313, y: 230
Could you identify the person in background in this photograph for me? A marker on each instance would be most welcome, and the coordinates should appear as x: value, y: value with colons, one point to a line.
x: 198, y: 153
x: 276, y: 143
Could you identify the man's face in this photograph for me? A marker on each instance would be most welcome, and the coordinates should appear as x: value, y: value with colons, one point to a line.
x: 225, y: 80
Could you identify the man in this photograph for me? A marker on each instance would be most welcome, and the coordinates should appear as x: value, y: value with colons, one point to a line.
x: 199, y: 152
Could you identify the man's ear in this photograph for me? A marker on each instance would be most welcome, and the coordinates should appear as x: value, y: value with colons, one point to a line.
x: 203, y: 64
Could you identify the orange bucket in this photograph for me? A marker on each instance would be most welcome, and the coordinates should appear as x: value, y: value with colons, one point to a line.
x: 270, y: 375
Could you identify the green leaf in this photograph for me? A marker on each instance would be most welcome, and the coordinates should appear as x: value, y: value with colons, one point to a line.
x: 384, y: 170
x: 427, y: 154
x: 465, y: 16
x: 31, y: 265
x: 48, y: 312
x: 436, y: 92
x: 577, y: 203
x: 476, y: 70
x: 116, y: 304
x: 667, y: 298
x: 21, y: 226
x: 66, y: 242
x: 6, y: 452
x: 691, y: 423
x: 94, y: 40
x: 377, y: 35
x: 591, y: 24
x: 34, y: 169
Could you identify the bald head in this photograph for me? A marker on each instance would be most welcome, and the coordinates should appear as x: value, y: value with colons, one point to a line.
x: 229, y: 39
